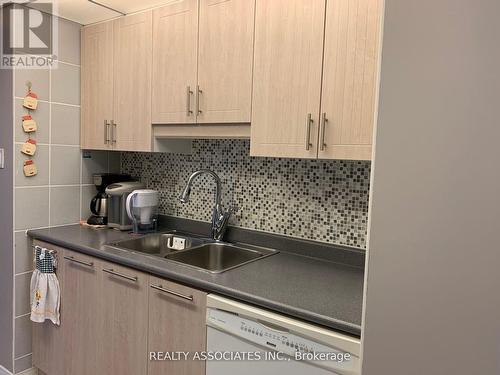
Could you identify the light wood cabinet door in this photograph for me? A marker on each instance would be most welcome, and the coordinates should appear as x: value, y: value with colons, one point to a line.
x: 131, y: 130
x: 287, y: 77
x: 225, y: 55
x: 112, y: 316
x: 48, y: 339
x: 124, y: 322
x: 96, y: 86
x: 80, y: 314
x: 349, y: 78
x: 176, y: 323
x: 175, y: 33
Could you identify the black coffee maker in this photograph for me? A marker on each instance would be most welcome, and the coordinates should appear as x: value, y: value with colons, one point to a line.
x: 99, y: 204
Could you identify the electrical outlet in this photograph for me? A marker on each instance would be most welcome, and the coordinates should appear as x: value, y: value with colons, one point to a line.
x: 179, y: 243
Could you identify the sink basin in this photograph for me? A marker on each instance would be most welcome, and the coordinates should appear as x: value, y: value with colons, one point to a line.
x: 219, y: 257
x: 199, y: 252
x: 158, y: 243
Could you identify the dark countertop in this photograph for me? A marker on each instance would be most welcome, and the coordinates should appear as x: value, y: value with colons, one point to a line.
x: 312, y: 289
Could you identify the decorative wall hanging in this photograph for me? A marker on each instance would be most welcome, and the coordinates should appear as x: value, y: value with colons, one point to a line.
x: 31, y: 99
x: 29, y: 147
x: 29, y: 168
x: 29, y: 126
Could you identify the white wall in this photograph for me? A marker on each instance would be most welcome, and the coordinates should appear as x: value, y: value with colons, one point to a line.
x: 433, y: 298
x: 6, y: 225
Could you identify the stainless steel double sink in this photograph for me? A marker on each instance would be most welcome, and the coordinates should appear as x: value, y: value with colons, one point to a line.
x: 198, y: 252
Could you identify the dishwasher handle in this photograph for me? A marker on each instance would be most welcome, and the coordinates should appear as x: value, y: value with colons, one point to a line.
x: 273, y: 327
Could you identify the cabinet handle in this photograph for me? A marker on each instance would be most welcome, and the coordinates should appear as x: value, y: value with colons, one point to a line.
x: 189, y: 92
x: 324, y: 120
x: 119, y: 274
x: 72, y: 259
x: 308, y: 132
x: 106, y: 132
x: 198, y: 92
x: 161, y: 289
x: 113, y: 131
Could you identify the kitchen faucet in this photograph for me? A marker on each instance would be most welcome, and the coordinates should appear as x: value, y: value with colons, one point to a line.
x: 219, y: 217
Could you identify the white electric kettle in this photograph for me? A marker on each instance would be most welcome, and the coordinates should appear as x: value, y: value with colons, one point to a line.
x: 142, y: 209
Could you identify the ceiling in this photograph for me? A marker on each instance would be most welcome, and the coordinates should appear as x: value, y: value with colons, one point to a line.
x: 85, y: 12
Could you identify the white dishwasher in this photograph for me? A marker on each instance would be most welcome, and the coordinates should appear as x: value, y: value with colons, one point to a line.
x: 245, y: 340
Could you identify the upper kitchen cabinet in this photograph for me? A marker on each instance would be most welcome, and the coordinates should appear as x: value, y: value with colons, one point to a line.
x: 202, y: 62
x: 116, y: 84
x: 315, y: 83
x: 97, y: 86
x: 349, y: 79
x: 131, y: 127
x: 175, y: 34
x: 287, y: 78
x: 225, y: 56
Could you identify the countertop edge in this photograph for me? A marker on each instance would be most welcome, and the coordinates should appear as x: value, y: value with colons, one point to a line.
x: 335, y: 324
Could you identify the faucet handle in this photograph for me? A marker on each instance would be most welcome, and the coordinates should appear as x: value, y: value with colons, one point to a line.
x: 220, y: 222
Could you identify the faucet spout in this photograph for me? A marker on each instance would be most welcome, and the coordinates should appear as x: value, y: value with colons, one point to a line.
x: 184, y: 198
x: 220, y: 218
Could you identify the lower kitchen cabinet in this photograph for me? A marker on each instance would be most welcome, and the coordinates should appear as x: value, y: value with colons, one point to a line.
x: 71, y: 347
x: 78, y: 333
x: 48, y: 339
x: 112, y: 316
x: 80, y: 313
x: 176, y: 323
x: 48, y: 344
x: 124, y: 320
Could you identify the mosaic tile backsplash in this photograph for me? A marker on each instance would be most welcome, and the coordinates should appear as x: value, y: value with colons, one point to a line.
x: 322, y: 200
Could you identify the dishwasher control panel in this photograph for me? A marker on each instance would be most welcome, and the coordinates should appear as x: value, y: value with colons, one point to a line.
x: 275, y: 338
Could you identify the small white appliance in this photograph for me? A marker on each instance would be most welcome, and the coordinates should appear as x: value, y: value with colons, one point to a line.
x: 142, y: 209
x: 275, y: 343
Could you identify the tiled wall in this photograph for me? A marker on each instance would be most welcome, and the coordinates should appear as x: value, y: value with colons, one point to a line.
x: 314, y: 199
x: 61, y: 191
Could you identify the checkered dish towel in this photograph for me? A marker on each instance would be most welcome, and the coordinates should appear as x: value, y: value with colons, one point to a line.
x: 45, y: 292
